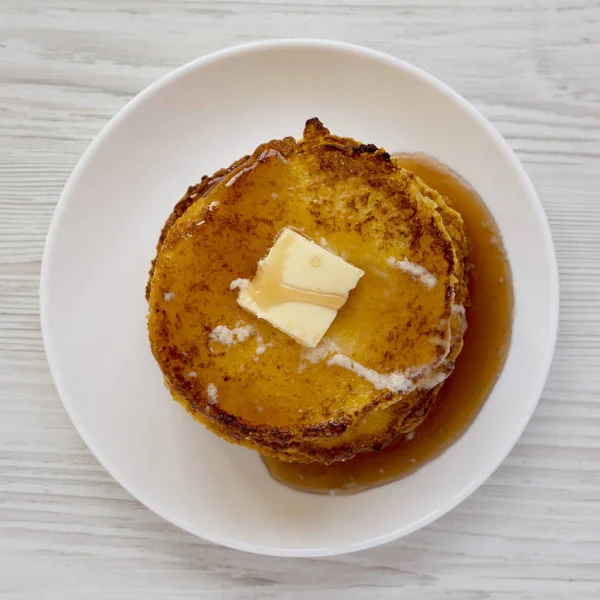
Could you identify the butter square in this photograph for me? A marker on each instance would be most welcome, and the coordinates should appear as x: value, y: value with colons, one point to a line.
x: 299, y: 287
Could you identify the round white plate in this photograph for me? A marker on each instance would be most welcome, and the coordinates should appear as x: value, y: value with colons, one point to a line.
x: 102, y: 239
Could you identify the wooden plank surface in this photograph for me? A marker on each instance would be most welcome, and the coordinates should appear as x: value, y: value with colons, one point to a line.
x: 68, y: 531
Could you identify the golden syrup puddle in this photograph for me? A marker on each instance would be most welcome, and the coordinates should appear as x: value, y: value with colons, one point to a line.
x: 486, y: 344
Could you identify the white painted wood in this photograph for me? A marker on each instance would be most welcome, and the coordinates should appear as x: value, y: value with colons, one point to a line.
x: 68, y: 531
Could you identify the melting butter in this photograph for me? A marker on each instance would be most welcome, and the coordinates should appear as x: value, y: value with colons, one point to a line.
x: 299, y: 287
x: 268, y: 288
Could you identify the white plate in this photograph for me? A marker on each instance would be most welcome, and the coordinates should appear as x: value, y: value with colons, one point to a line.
x: 102, y: 239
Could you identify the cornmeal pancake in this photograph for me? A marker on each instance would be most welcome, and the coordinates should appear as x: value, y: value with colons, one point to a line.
x: 380, y: 427
x: 255, y: 384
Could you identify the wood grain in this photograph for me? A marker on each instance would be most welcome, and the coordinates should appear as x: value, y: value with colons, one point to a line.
x: 68, y: 531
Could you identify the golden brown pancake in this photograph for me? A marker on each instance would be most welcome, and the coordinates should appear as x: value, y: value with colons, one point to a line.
x: 352, y: 198
x: 380, y: 427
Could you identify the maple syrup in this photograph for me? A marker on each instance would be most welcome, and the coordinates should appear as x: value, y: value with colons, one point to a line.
x: 486, y: 344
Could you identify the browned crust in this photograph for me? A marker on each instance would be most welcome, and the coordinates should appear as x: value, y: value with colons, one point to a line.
x: 297, y: 451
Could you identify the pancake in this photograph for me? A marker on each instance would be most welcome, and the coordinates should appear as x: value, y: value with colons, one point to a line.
x: 250, y: 382
x: 378, y: 429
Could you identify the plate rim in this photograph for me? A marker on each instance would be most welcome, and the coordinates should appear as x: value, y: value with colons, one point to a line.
x: 324, y: 45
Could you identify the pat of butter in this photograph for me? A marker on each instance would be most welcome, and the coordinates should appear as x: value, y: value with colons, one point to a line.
x: 299, y: 287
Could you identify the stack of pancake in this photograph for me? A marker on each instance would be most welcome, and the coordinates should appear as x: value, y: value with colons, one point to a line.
x: 378, y: 370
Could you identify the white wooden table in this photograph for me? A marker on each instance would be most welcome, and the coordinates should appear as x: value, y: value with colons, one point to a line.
x: 68, y: 531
